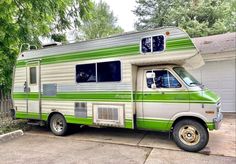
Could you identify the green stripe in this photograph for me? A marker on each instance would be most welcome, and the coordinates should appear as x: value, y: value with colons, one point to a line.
x: 128, y: 124
x: 147, y: 124
x: 154, y: 124
x: 76, y: 120
x: 69, y: 119
x: 24, y: 96
x: 129, y: 50
x: 210, y: 126
x: 30, y: 115
x: 207, y: 96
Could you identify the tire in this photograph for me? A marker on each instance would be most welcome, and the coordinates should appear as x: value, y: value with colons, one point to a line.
x: 58, y: 125
x: 190, y: 135
x: 13, y: 114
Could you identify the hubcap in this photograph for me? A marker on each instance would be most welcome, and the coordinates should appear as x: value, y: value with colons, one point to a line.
x: 58, y: 124
x: 189, y: 135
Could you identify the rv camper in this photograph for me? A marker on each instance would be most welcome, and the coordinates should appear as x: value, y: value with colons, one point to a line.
x: 135, y: 80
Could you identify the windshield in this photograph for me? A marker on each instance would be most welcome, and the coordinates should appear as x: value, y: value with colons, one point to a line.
x: 186, y: 77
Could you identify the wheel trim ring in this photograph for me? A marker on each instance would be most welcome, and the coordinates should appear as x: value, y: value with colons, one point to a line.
x: 189, y: 135
x: 58, y: 124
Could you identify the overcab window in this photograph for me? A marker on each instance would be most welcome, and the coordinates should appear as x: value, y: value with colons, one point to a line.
x: 153, y: 44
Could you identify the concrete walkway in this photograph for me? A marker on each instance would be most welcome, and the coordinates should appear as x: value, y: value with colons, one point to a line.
x: 222, y: 142
x: 42, y: 149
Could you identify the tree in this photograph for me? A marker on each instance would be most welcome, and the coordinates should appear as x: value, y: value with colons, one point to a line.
x: 23, y: 21
x: 102, y: 23
x: 197, y: 17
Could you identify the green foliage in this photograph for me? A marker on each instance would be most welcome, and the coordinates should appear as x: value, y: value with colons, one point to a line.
x: 197, y: 17
x: 59, y: 37
x: 23, y: 21
x: 102, y: 23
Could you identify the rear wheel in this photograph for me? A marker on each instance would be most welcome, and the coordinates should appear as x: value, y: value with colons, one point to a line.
x: 58, y: 125
x: 190, y: 135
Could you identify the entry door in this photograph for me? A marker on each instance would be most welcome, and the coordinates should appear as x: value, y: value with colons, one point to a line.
x: 32, y: 89
x: 160, y: 102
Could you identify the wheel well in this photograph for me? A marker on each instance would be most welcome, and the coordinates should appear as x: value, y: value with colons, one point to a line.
x: 51, y: 114
x: 192, y: 118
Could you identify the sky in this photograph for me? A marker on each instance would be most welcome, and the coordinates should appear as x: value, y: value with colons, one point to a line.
x: 122, y: 9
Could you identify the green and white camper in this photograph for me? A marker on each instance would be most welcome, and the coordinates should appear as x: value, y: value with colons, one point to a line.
x: 136, y: 80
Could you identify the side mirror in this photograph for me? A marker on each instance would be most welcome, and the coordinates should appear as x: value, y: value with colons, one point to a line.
x: 153, y: 86
x: 150, y: 75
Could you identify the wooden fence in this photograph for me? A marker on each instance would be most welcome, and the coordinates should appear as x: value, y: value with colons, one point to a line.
x: 5, y: 104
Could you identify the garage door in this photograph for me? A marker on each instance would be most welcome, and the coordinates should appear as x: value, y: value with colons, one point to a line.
x: 219, y: 76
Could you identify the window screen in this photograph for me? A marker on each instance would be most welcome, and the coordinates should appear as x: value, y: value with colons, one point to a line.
x: 146, y: 45
x: 163, y: 79
x: 158, y: 43
x: 33, y: 75
x: 86, y: 73
x: 109, y: 71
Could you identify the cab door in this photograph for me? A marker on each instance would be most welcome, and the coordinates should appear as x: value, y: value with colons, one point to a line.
x: 32, y: 90
x: 163, y: 96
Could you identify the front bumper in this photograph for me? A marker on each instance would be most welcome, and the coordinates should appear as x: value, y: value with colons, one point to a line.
x: 218, y: 120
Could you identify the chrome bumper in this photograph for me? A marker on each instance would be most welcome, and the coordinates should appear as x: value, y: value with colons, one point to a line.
x: 217, y: 121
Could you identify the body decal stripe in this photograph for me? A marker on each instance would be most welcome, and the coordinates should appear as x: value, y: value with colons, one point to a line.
x: 171, y: 45
x: 206, y: 96
x: 142, y: 123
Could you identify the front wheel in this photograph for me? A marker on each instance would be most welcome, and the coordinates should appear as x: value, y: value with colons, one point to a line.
x: 190, y: 135
x: 58, y: 125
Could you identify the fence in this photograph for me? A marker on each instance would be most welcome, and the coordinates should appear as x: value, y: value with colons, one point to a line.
x: 5, y: 104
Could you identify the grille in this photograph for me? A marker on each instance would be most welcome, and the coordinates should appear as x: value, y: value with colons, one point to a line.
x: 106, y: 113
x: 81, y: 109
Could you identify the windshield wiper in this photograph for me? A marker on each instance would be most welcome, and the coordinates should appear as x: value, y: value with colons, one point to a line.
x: 197, y: 84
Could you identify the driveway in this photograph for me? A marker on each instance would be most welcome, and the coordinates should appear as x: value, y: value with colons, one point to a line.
x: 106, y: 145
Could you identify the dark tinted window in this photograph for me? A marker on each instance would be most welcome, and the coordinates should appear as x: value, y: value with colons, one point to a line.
x: 33, y: 75
x: 163, y: 79
x: 109, y: 71
x: 146, y: 45
x: 158, y: 43
x: 86, y: 73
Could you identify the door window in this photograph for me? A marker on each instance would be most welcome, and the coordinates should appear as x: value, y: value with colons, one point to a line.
x: 163, y: 79
x: 33, y: 75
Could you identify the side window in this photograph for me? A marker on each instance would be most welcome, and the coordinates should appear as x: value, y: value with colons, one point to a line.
x: 163, y: 79
x: 147, y: 45
x: 109, y: 71
x: 85, y: 73
x: 33, y: 75
x: 98, y: 72
x: 153, y: 44
x: 158, y: 43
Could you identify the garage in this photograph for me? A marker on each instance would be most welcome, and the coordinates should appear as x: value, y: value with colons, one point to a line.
x: 218, y: 73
